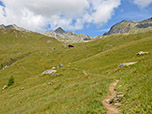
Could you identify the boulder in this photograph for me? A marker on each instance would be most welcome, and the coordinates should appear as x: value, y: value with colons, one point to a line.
x: 142, y: 53
x: 126, y: 64
x: 4, y: 87
x: 49, y: 72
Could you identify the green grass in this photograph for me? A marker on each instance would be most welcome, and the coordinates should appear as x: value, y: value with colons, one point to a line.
x: 72, y: 92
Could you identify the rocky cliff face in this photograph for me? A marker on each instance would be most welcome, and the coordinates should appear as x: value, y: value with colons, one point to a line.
x: 131, y: 27
x: 64, y: 36
x: 14, y: 27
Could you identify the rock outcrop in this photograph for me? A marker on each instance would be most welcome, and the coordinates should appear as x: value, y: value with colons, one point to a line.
x: 142, y: 53
x: 131, y: 27
x: 126, y: 64
x: 14, y: 27
x: 49, y: 72
x: 67, y: 37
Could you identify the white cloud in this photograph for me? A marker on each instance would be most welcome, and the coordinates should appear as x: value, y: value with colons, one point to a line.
x: 70, y: 14
x: 142, y: 3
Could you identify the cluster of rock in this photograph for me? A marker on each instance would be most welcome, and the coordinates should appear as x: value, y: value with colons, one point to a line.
x: 52, y: 71
x: 67, y: 37
x: 116, y: 100
x: 132, y: 63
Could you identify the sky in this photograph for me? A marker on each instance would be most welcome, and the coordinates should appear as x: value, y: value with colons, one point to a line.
x: 90, y: 17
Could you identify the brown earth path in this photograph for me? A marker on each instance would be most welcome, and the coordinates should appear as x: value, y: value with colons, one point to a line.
x: 111, y: 109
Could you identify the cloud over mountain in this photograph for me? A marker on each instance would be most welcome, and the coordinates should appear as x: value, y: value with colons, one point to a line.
x: 142, y: 3
x: 37, y: 15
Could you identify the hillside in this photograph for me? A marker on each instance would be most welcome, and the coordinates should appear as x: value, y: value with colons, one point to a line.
x: 81, y: 83
x: 131, y: 27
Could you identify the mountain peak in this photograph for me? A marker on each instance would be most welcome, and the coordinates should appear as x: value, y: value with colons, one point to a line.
x: 131, y: 27
x: 59, y: 30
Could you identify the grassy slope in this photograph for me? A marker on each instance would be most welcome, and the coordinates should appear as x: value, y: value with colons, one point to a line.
x: 72, y: 92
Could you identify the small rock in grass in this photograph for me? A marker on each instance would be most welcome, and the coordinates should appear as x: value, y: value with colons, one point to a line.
x: 53, y: 48
x: 22, y: 88
x: 60, y: 65
x: 50, y: 83
x: 119, y: 96
x: 53, y: 68
x: 4, y: 67
x: 119, y: 93
x: 4, y: 87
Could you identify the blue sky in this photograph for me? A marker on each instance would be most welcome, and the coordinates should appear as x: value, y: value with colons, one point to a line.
x: 91, y: 17
x: 126, y: 11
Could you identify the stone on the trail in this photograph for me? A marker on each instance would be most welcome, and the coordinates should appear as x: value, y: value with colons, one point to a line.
x: 109, y: 101
x: 142, y: 53
x: 126, y: 64
x: 116, y: 99
x: 4, y: 87
x: 49, y: 72
x: 117, y: 104
x: 50, y: 83
x: 118, y: 96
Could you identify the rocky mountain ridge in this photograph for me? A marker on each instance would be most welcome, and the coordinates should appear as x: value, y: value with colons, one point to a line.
x: 131, y: 27
x: 123, y: 27
x: 64, y: 36
x: 2, y: 26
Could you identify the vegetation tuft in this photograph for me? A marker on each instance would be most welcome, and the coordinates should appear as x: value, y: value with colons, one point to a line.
x: 10, y: 81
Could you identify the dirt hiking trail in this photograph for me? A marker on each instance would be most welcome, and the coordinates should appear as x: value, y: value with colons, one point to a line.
x: 111, y: 109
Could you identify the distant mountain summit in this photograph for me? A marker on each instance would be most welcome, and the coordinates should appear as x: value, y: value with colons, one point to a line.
x: 71, y: 37
x: 2, y: 26
x: 131, y: 27
x: 59, y: 30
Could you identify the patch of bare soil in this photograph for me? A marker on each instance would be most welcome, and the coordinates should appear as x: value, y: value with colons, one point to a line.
x: 111, y: 109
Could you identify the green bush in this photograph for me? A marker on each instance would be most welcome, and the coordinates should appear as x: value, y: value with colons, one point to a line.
x: 11, y: 81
